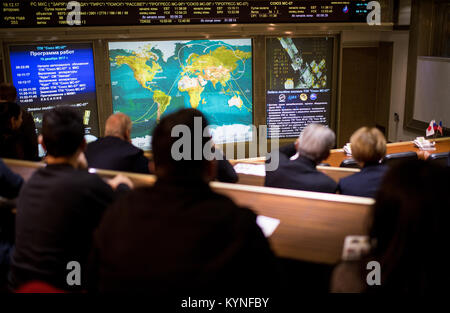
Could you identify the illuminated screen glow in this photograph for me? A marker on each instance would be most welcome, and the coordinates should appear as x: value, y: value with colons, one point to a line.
x: 150, y: 79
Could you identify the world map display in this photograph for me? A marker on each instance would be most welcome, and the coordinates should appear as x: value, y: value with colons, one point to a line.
x: 154, y: 78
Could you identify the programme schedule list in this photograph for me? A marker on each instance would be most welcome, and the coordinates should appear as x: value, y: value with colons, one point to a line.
x: 51, y: 74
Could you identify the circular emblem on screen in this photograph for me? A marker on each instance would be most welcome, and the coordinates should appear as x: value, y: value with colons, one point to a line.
x: 345, y: 9
x: 303, y: 97
x: 282, y: 97
x: 313, y: 96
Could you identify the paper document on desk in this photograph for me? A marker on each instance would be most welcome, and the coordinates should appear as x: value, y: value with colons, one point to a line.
x: 355, y: 247
x: 267, y: 224
x: 250, y: 169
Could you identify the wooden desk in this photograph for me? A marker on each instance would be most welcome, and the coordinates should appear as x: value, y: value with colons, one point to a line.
x: 338, y: 155
x: 442, y: 145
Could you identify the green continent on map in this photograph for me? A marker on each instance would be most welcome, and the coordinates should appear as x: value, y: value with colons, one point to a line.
x: 215, y: 67
x: 162, y: 100
x: 143, y: 73
x: 194, y: 87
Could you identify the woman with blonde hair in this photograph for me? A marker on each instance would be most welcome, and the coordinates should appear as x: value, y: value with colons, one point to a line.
x: 368, y: 147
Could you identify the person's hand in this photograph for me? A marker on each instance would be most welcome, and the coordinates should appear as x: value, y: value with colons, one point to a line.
x: 423, y: 155
x: 120, y: 179
x: 82, y: 163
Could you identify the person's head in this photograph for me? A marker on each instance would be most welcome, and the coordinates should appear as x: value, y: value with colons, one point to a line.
x: 8, y: 92
x: 409, y: 227
x: 10, y: 116
x: 62, y: 132
x: 178, y: 144
x: 315, y: 142
x: 368, y: 145
x: 119, y: 125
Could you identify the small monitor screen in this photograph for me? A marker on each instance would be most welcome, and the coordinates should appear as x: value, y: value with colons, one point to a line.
x: 151, y: 79
x: 298, y: 84
x: 49, y: 75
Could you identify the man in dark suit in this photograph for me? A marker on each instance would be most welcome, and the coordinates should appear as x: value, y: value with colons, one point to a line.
x: 115, y: 151
x: 179, y: 236
x: 297, y: 162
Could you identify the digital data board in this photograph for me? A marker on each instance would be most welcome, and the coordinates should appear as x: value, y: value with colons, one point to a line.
x: 26, y: 13
x: 150, y: 79
x: 298, y: 84
x: 48, y: 75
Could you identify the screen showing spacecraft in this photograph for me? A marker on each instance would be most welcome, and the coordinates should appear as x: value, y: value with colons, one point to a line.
x: 298, y: 84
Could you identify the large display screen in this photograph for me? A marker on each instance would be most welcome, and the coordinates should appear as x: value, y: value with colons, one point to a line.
x: 153, y: 78
x: 28, y: 13
x: 48, y: 75
x: 298, y: 84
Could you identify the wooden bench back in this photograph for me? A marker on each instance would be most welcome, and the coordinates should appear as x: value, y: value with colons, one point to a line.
x: 336, y: 173
x: 313, y: 225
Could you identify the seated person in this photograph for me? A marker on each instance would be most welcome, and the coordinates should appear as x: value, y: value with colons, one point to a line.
x: 409, y: 227
x: 368, y: 148
x: 179, y: 236
x: 10, y: 182
x: 10, y: 122
x: 27, y: 138
x: 115, y: 151
x: 312, y: 147
x: 59, y: 206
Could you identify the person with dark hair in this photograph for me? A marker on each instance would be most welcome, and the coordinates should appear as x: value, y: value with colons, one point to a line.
x: 8, y: 92
x: 59, y: 206
x: 179, y: 236
x: 26, y: 142
x: 368, y: 147
x: 115, y: 151
x: 10, y: 122
x: 297, y: 162
x: 408, y: 232
x: 224, y: 171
